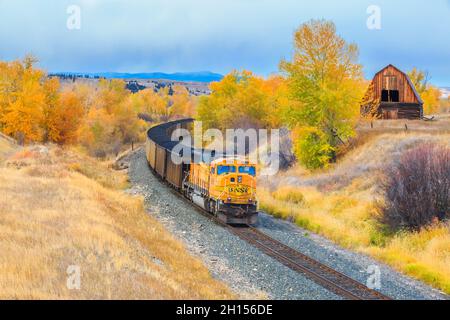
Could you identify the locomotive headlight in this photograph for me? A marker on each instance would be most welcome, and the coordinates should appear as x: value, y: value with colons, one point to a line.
x: 239, y: 179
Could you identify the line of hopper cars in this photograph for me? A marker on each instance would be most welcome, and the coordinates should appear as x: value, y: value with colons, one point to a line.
x: 225, y: 186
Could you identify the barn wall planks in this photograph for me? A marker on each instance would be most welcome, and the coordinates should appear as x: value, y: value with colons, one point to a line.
x: 382, y: 81
x: 397, y: 98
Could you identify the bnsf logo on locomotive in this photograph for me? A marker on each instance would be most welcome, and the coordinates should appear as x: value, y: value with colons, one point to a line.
x: 238, y: 189
x: 225, y: 186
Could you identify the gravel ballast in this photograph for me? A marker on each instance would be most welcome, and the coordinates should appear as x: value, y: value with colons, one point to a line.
x: 247, y: 271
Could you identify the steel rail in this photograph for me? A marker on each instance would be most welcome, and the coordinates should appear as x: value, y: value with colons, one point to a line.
x: 316, y: 271
x: 320, y: 273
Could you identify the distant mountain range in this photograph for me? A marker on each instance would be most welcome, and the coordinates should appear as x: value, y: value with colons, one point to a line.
x: 203, y: 76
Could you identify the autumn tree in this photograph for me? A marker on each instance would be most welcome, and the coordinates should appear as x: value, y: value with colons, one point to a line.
x: 182, y: 104
x: 50, y: 109
x: 431, y: 100
x: 96, y: 134
x: 117, y: 117
x: 103, y: 119
x: 127, y: 123
x: 32, y: 107
x: 164, y: 95
x: 112, y: 120
x: 65, y: 119
x: 370, y: 104
x: 242, y: 100
x: 325, y: 86
x: 22, y: 100
x: 429, y: 93
x: 111, y: 93
x: 153, y: 105
x: 85, y: 93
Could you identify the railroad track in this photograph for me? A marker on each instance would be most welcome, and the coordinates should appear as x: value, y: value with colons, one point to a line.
x: 325, y: 276
x: 159, y: 146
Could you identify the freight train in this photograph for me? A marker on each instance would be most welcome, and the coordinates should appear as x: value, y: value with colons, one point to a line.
x: 225, y: 186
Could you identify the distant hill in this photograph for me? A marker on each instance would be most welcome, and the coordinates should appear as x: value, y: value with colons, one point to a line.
x: 445, y: 91
x: 203, y: 76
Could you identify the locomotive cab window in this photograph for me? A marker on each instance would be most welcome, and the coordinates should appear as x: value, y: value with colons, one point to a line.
x: 251, y: 170
x: 225, y: 169
x: 213, y: 170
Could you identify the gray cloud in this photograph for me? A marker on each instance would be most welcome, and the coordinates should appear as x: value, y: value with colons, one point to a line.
x: 217, y: 35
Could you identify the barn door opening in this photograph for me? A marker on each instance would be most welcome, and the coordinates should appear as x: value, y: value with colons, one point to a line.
x: 390, y: 96
x: 390, y: 92
x: 394, y: 96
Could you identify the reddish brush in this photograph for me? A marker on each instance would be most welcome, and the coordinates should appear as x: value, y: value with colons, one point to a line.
x: 417, y: 188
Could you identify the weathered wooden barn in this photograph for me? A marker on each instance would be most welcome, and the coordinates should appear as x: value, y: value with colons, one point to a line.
x: 392, y: 95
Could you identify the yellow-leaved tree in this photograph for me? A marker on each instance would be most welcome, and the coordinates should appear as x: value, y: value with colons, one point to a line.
x: 243, y: 100
x: 325, y: 87
x: 182, y: 104
x: 96, y: 134
x: 429, y: 93
x: 153, y: 105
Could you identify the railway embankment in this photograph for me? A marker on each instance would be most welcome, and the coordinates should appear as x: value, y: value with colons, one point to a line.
x: 249, y: 272
x: 342, y: 203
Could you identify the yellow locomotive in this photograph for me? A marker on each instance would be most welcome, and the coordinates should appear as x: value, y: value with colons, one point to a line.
x: 226, y: 187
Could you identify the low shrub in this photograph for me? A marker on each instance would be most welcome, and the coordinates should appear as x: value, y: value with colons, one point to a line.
x: 312, y: 148
x: 417, y: 188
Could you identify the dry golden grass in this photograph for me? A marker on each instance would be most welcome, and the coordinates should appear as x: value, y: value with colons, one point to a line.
x: 344, y: 217
x: 59, y: 209
x: 424, y: 255
x: 339, y: 203
x: 6, y: 147
x: 440, y: 124
x: 288, y: 194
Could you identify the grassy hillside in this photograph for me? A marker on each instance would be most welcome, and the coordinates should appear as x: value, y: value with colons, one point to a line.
x: 6, y: 146
x: 340, y: 203
x: 59, y: 209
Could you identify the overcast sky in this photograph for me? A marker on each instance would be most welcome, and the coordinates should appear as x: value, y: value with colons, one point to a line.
x: 218, y: 35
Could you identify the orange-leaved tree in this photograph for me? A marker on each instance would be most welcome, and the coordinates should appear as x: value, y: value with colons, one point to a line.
x: 112, y: 120
x: 22, y: 100
x: 65, y: 119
